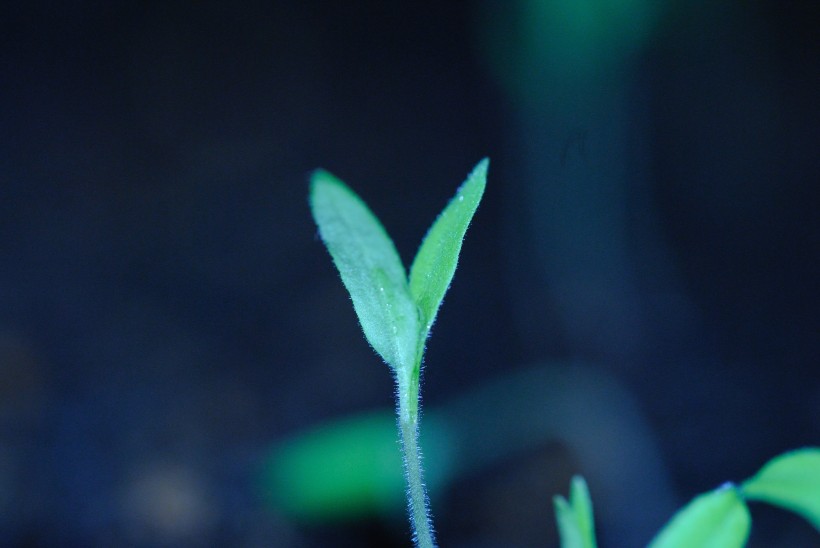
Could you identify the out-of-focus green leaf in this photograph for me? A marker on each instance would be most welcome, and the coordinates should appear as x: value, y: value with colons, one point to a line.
x: 568, y: 528
x: 370, y: 268
x: 341, y: 470
x: 582, y: 504
x: 718, y: 519
x: 351, y: 468
x: 576, y: 525
x: 791, y: 481
x: 436, y: 260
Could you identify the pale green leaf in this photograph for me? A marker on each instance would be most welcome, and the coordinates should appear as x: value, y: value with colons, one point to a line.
x: 718, y: 519
x: 350, y: 467
x: 576, y: 525
x: 370, y: 268
x: 568, y: 528
x: 582, y: 504
x: 435, y: 263
x: 345, y: 468
x: 791, y: 481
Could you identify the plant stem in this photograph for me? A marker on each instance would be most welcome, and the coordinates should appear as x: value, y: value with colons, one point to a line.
x: 416, y: 494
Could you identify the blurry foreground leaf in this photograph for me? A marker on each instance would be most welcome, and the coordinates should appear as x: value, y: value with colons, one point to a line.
x: 791, y: 481
x: 575, y: 520
x: 718, y: 519
x: 349, y: 468
x: 340, y: 470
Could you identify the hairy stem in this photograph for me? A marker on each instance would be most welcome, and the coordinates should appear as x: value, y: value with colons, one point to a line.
x: 416, y: 493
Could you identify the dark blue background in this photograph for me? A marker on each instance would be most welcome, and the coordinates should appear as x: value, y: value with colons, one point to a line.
x: 167, y: 312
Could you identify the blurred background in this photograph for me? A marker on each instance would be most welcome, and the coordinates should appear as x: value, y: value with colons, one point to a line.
x: 636, y: 300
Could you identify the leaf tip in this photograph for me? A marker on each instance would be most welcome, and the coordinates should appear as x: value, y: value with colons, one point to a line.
x: 320, y: 176
x: 481, y: 168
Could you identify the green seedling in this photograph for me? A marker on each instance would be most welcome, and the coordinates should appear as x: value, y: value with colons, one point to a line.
x: 719, y: 518
x: 396, y: 311
x: 576, y: 526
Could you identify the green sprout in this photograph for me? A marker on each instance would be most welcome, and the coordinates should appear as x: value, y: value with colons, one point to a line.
x: 575, y: 522
x: 396, y: 311
x: 719, y: 518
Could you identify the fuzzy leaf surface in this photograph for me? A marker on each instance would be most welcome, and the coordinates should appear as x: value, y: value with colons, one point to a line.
x: 791, y: 481
x: 370, y: 268
x: 718, y: 519
x: 435, y: 263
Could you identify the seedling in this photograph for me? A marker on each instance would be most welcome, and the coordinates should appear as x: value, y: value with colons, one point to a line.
x: 721, y: 517
x: 396, y: 312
